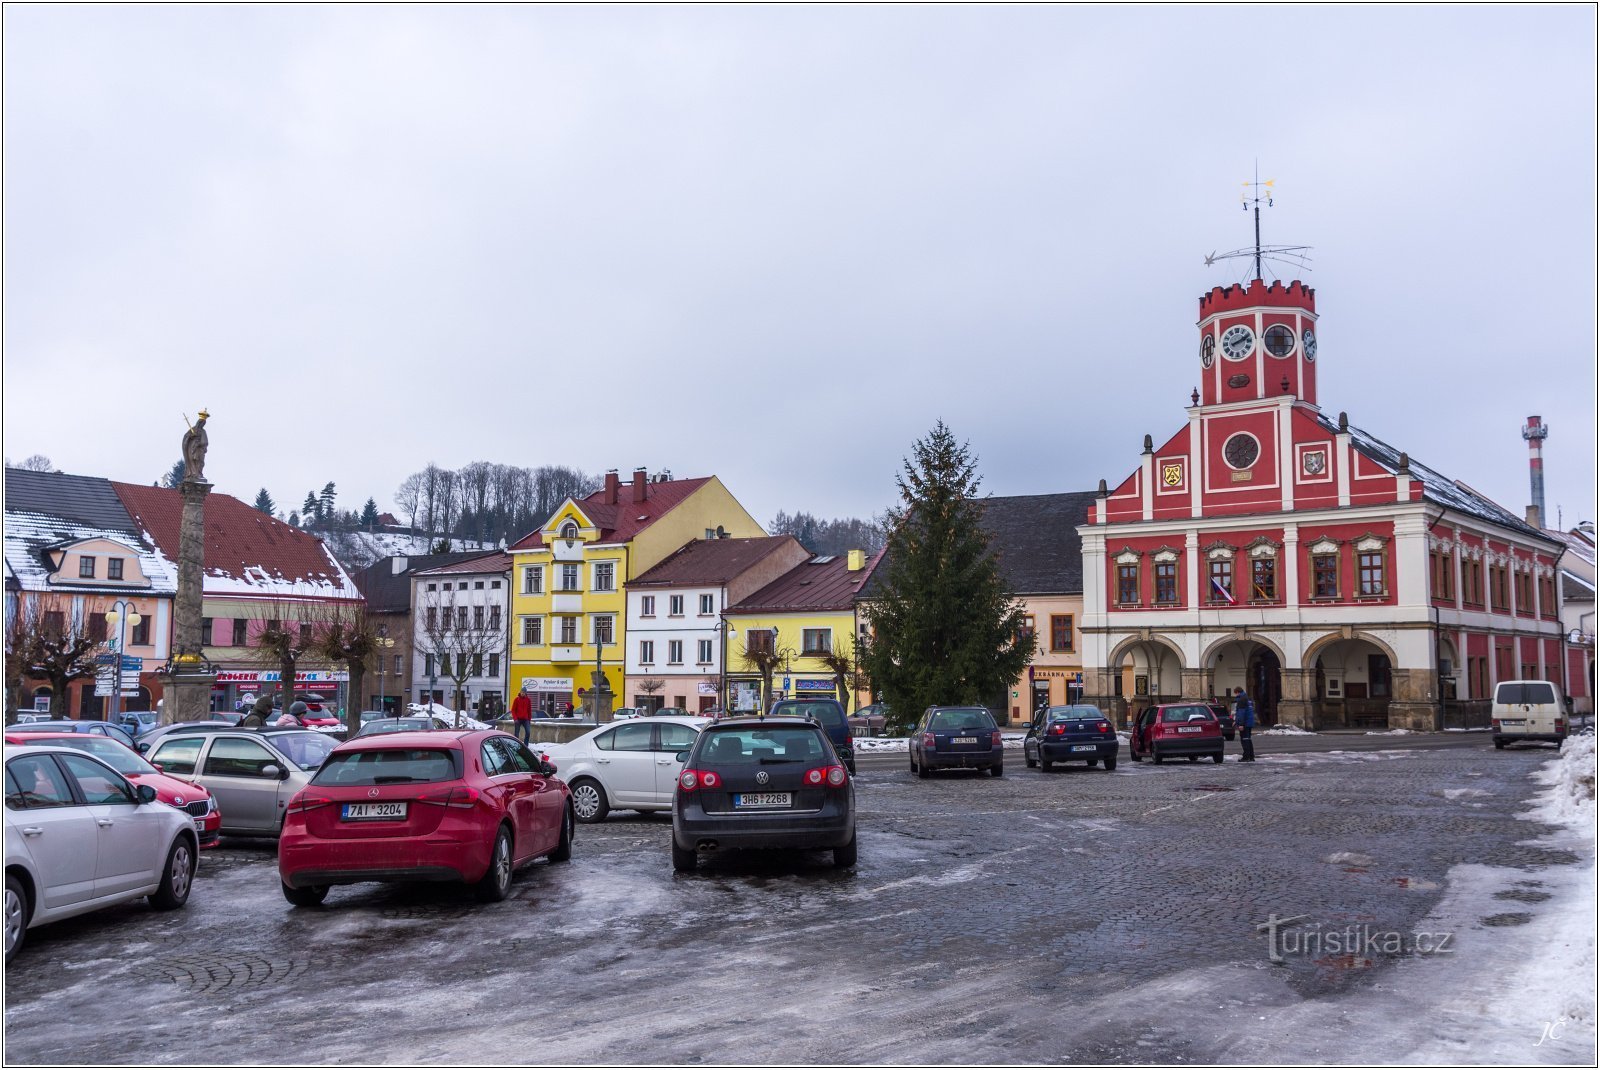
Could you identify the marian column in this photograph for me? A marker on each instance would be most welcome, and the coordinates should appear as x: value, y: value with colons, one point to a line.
x: 190, y: 676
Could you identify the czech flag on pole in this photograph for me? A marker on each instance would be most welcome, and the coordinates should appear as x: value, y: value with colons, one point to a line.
x: 1222, y: 592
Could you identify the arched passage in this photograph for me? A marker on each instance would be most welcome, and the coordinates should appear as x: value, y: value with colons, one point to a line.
x: 1250, y: 663
x: 1354, y: 683
x: 1146, y: 671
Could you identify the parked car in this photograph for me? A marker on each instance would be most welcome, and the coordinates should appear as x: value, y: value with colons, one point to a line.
x: 830, y: 715
x: 93, y: 728
x: 379, y: 725
x: 1527, y: 711
x: 1224, y: 718
x: 79, y: 836
x: 956, y: 737
x: 627, y: 713
x: 147, y: 742
x: 1070, y: 734
x: 629, y: 766
x: 139, y: 722
x: 192, y: 799
x: 252, y: 772
x: 1176, y: 730
x: 869, y: 720
x: 434, y: 806
x: 764, y: 782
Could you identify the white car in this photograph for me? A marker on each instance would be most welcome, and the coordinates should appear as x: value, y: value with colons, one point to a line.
x: 630, y: 765
x: 80, y: 836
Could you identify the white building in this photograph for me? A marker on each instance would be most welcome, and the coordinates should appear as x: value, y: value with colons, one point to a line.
x: 675, y: 640
x: 459, y: 626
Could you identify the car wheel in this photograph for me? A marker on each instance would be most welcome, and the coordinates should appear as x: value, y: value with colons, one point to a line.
x: 845, y: 857
x: 1499, y: 744
x: 1030, y: 762
x: 997, y: 770
x: 496, y: 884
x: 683, y: 860
x: 1217, y: 757
x: 589, y: 801
x: 1155, y: 756
x: 177, y: 878
x: 311, y: 896
x: 850, y: 766
x: 1091, y: 762
x: 922, y: 771
x: 1135, y: 755
x: 1111, y: 763
x: 563, y: 851
x: 16, y: 916
x: 1045, y: 764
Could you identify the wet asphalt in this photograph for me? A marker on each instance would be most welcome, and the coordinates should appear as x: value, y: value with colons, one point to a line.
x: 988, y: 920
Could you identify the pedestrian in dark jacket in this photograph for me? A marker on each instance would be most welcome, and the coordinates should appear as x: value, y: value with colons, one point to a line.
x: 1244, y: 719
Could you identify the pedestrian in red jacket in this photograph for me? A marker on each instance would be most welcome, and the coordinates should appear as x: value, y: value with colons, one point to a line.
x: 522, y: 717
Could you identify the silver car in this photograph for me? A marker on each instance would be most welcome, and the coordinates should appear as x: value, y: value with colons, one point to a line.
x: 252, y: 773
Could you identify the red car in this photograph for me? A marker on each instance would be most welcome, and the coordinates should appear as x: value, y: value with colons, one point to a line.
x: 192, y: 799
x: 424, y: 806
x: 1177, y: 730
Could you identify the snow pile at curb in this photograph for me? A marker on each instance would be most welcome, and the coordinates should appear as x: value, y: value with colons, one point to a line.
x: 1394, y: 732
x: 1286, y: 730
x: 1569, y: 799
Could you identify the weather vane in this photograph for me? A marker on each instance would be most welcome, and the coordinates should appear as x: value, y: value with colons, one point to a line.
x: 1255, y: 192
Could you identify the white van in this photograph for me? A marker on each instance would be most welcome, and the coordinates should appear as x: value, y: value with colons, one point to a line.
x: 1527, y: 711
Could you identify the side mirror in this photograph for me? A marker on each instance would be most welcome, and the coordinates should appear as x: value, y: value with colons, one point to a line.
x: 547, y: 767
x: 273, y: 770
x: 146, y: 793
x: 682, y: 756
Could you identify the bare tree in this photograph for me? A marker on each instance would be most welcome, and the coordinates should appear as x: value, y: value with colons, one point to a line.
x: 847, y: 675
x: 283, y: 638
x: 47, y: 638
x: 460, y: 636
x: 38, y: 463
x: 763, y: 654
x: 652, y: 687
x: 346, y: 635
x: 477, y: 482
x: 408, y: 498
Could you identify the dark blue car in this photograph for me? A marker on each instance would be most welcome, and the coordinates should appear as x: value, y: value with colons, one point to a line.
x: 829, y: 714
x: 956, y: 737
x: 1070, y: 734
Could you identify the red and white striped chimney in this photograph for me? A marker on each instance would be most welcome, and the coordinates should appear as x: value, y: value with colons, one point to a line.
x: 1536, y: 432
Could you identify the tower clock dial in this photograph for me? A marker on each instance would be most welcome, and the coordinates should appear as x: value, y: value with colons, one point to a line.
x: 1238, y: 341
x: 1241, y: 451
x: 1208, y: 351
x: 1308, y: 341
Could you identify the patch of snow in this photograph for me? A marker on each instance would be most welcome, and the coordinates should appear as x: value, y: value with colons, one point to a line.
x: 1394, y: 732
x: 1569, y: 797
x: 1466, y: 729
x: 447, y: 715
x: 1462, y: 793
x: 1285, y: 730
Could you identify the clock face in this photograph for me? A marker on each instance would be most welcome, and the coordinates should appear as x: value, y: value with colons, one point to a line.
x: 1238, y: 341
x: 1278, y: 339
x: 1241, y: 451
x: 1208, y: 351
x: 1308, y: 342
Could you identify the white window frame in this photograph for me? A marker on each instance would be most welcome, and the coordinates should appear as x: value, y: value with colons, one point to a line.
x: 706, y: 651
x: 806, y: 648
x: 708, y: 604
x: 538, y: 629
x: 576, y: 575
x: 647, y: 605
x: 674, y: 651
x: 675, y: 605
x: 594, y: 627
x: 532, y: 579
x: 594, y: 576
x: 647, y: 652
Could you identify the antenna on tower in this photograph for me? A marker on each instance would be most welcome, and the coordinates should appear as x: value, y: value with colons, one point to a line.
x: 1255, y: 192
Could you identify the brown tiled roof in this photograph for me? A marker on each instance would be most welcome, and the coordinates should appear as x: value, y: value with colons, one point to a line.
x: 821, y: 583
x: 495, y: 562
x: 246, y: 551
x: 710, y: 562
x: 624, y: 520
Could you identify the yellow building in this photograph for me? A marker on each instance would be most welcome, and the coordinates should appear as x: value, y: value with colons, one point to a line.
x: 804, y: 614
x: 569, y: 578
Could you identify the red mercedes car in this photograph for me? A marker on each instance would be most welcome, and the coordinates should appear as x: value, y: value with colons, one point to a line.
x: 192, y: 799
x: 424, y: 806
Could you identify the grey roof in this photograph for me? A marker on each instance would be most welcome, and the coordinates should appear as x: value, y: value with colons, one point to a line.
x: 387, y: 591
x: 1036, y: 539
x: 84, y: 500
x: 1574, y: 588
x: 1437, y: 488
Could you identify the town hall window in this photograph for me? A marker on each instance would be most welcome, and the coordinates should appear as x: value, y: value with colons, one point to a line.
x: 1166, y: 582
x: 1325, y: 575
x: 1264, y: 579
x: 1369, y: 567
x: 1444, y: 575
x: 1499, y: 593
x: 1128, y: 584
x: 1472, y: 582
x: 1221, y: 589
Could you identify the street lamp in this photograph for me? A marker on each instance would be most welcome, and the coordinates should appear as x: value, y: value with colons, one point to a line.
x: 122, y: 612
x: 383, y: 642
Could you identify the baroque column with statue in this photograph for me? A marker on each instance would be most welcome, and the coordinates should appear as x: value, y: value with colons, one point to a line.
x: 189, y: 675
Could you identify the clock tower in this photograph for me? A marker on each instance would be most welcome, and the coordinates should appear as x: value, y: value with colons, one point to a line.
x: 1257, y: 342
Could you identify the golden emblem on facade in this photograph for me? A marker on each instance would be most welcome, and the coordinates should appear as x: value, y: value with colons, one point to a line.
x: 1172, y: 474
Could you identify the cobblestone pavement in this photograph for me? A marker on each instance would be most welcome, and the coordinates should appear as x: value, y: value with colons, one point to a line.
x: 1039, y: 917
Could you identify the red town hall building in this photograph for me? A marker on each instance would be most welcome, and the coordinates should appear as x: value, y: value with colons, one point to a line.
x: 1268, y: 547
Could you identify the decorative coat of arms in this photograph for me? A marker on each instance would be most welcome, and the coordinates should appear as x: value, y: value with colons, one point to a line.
x: 1314, y: 462
x: 1172, y: 474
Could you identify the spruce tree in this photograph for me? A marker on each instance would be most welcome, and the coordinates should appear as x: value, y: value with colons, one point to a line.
x: 264, y: 502
x: 311, y: 508
x: 945, y: 629
x: 325, y: 502
x: 369, y: 515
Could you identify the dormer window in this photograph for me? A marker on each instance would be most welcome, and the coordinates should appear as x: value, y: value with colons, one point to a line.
x: 86, y: 567
x: 113, y: 568
x: 569, y: 530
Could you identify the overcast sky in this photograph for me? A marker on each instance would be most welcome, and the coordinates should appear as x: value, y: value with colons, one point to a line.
x: 776, y: 244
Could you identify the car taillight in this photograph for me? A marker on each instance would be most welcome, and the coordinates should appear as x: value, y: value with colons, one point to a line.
x: 303, y: 802
x: 459, y: 798
x: 694, y: 779
x: 832, y: 775
x: 1494, y: 722
x: 1058, y: 730
x: 1560, y: 724
x: 1105, y: 726
x: 994, y: 738
x: 928, y: 740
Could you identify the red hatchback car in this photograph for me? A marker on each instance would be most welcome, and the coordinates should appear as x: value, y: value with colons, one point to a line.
x: 1177, y: 730
x: 424, y: 806
x: 192, y: 799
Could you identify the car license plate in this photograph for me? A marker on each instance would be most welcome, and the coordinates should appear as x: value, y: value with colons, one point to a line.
x: 199, y: 824
x: 1512, y: 720
x: 964, y: 739
x: 381, y: 811
x: 1087, y: 746
x: 755, y: 800
x: 1196, y: 728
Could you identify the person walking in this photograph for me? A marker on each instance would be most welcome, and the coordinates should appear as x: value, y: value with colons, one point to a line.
x: 1244, y: 719
x: 522, y: 717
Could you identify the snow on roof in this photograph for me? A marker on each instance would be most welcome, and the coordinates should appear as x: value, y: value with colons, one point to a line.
x: 27, y: 534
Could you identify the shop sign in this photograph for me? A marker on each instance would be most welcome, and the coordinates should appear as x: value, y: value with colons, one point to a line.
x: 547, y: 683
x: 813, y: 685
x: 272, y: 676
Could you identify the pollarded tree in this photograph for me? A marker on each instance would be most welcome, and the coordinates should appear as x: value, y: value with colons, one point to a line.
x: 46, y: 636
x: 346, y: 634
x: 944, y: 629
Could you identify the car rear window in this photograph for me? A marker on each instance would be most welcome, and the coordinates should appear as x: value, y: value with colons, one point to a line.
x: 961, y: 721
x: 1179, y: 714
x: 755, y: 744
x: 360, y: 768
x: 1524, y: 693
x: 828, y: 713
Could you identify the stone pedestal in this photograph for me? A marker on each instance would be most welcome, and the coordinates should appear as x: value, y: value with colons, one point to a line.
x: 1196, y: 685
x: 1297, y: 702
x: 187, y: 693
